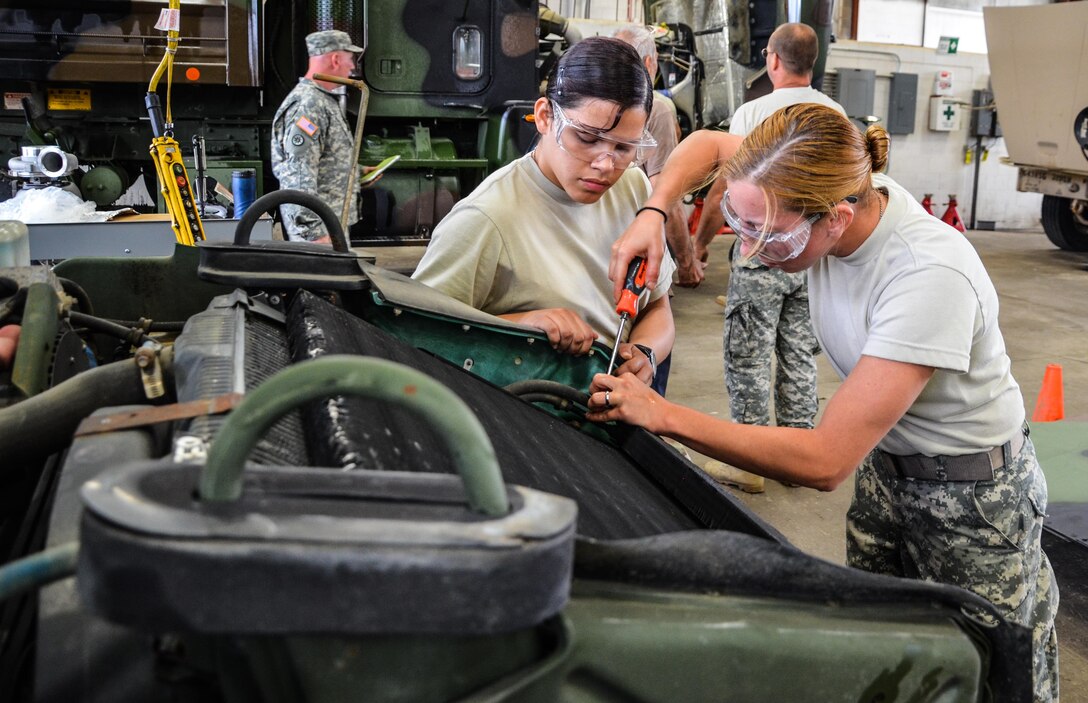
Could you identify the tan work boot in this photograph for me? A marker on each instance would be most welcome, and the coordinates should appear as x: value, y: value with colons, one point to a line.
x: 732, y: 476
x: 720, y: 300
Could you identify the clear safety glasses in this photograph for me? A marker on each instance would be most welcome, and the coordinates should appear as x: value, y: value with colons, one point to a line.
x: 774, y: 247
x: 591, y: 144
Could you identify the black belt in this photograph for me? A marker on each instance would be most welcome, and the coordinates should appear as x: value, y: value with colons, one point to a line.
x: 967, y: 467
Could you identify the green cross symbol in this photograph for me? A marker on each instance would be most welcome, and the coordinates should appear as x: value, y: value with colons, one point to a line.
x: 949, y: 113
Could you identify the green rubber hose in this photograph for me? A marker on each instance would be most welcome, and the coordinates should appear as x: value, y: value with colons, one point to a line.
x: 38, y: 570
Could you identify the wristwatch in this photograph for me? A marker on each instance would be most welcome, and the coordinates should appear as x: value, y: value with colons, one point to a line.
x: 649, y: 353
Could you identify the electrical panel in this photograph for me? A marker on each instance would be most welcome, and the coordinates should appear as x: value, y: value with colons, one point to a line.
x: 984, y: 114
x: 855, y: 89
x: 902, y: 103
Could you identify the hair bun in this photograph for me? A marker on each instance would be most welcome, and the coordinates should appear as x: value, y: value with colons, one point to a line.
x: 877, y: 144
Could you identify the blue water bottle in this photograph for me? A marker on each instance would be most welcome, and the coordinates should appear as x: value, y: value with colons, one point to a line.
x: 244, y: 188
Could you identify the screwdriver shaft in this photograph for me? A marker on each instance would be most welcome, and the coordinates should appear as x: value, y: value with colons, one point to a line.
x: 616, y: 347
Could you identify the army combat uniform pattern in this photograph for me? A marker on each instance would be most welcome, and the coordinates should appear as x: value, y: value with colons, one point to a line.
x: 767, y: 316
x: 311, y: 152
x: 982, y: 536
x: 770, y: 307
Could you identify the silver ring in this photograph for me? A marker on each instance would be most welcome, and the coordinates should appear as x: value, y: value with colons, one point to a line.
x: 607, y: 399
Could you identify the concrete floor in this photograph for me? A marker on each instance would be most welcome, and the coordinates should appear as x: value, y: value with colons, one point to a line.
x: 1043, y: 293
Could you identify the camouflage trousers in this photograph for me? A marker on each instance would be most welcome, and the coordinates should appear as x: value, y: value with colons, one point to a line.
x: 982, y: 536
x: 766, y: 316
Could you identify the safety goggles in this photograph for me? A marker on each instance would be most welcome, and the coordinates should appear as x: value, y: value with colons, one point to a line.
x: 591, y: 144
x: 774, y: 247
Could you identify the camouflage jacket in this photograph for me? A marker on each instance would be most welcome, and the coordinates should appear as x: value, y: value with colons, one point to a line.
x: 311, y: 152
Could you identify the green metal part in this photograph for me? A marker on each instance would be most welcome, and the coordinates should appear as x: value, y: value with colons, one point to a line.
x: 421, y: 150
x: 502, y: 356
x: 164, y: 288
x: 468, y: 443
x: 1062, y: 448
x: 37, y: 340
x: 639, y: 644
x: 617, y: 642
x: 103, y: 184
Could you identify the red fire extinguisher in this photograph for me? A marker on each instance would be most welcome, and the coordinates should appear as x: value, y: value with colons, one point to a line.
x: 927, y: 203
x: 951, y: 216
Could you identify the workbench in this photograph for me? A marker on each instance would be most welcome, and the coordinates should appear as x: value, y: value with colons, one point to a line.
x: 125, y: 235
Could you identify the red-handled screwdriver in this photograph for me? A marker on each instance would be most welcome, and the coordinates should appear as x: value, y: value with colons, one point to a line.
x: 627, y: 308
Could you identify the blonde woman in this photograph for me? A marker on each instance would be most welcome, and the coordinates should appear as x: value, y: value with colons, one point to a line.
x: 948, y: 487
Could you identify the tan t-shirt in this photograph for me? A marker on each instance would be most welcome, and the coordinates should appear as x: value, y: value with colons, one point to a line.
x: 519, y: 243
x: 662, y: 127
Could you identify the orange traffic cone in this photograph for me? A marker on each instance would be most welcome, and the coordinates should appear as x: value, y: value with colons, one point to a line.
x: 1050, y: 405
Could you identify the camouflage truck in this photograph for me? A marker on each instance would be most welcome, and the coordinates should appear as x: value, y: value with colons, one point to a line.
x: 449, y: 86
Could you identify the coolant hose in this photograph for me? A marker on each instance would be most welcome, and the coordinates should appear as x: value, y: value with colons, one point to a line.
x: 38, y: 570
x: 543, y: 390
x: 469, y: 446
x: 133, y: 336
x: 42, y: 425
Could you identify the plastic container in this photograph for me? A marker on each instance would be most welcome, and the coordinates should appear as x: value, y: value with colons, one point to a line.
x: 244, y: 189
x: 14, y: 244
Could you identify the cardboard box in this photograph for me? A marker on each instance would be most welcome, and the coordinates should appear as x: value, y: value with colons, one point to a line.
x: 1038, y: 58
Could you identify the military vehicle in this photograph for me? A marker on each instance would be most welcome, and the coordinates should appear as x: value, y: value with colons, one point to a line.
x: 1043, y: 107
x: 262, y: 471
x: 449, y: 86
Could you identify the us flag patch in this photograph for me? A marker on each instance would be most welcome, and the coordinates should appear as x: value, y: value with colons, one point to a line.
x: 306, y: 126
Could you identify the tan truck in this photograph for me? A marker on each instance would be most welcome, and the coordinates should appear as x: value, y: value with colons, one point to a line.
x: 1038, y: 56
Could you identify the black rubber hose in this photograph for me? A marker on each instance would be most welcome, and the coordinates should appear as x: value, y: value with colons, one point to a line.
x: 270, y: 201
x: 151, y: 325
x: 13, y: 306
x: 132, y: 335
x: 76, y: 291
x: 42, y: 425
x: 8, y: 287
x: 534, y: 389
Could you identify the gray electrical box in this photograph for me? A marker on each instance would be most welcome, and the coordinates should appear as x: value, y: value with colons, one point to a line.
x: 984, y: 115
x: 855, y: 90
x: 902, y: 103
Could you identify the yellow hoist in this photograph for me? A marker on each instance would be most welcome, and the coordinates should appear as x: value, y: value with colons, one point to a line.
x: 174, y: 182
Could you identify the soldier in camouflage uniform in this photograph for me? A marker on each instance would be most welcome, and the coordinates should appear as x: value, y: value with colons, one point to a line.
x: 766, y: 313
x: 311, y: 141
x: 929, y: 416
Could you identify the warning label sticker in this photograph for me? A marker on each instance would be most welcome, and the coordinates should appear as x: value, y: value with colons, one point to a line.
x: 14, y: 101
x: 68, y: 99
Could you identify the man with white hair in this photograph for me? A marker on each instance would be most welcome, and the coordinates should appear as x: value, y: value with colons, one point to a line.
x: 664, y: 128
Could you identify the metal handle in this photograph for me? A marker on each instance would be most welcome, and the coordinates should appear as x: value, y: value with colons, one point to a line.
x: 270, y: 201
x: 469, y: 445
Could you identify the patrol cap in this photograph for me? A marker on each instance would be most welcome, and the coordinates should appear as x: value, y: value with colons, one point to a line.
x: 328, y: 41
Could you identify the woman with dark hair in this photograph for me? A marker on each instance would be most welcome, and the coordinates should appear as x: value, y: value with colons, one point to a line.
x: 531, y: 244
x: 928, y: 417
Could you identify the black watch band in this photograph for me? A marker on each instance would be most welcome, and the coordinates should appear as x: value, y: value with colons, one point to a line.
x: 649, y: 353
